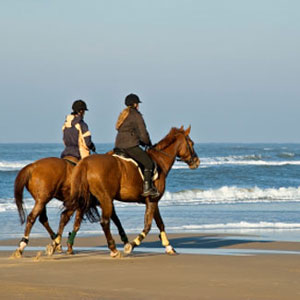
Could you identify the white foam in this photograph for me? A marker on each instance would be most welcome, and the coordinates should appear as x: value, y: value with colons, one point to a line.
x: 255, y: 163
x: 228, y: 195
x: 287, y: 154
x: 252, y: 159
x: 13, y: 165
x: 222, y: 195
x: 248, y: 160
x: 9, y: 204
x: 239, y: 225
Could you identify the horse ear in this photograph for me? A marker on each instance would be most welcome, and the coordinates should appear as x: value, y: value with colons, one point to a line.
x: 181, y: 128
x: 187, y: 132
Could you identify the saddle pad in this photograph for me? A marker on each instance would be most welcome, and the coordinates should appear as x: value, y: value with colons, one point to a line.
x: 155, y: 175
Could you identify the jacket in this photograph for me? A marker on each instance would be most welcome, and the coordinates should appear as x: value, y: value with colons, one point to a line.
x: 133, y: 131
x: 76, y: 137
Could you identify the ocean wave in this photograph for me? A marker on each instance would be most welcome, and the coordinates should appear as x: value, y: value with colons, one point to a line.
x: 254, y: 163
x: 250, y: 160
x: 222, y: 195
x: 230, y: 195
x: 9, y: 204
x: 13, y: 165
x: 253, y: 159
x: 286, y: 154
x: 239, y: 225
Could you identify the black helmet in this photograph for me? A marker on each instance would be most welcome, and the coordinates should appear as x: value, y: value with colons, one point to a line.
x: 131, y: 99
x: 79, y: 105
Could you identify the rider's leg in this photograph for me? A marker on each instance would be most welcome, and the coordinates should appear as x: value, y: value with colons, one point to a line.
x: 143, y: 158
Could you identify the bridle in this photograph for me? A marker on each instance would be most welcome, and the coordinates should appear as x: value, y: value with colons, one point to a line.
x: 193, y: 154
x: 190, y: 161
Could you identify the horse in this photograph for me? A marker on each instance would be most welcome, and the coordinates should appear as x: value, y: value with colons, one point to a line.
x: 109, y: 177
x: 45, y: 179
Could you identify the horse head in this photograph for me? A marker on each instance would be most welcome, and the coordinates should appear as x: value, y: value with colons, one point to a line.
x: 186, y: 152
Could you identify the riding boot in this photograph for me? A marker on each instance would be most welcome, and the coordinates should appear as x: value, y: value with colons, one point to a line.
x: 149, y: 188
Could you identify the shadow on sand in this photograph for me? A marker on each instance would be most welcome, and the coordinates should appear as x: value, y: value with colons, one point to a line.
x: 204, y: 242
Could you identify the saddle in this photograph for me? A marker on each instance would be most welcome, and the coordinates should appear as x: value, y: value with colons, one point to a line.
x: 122, y: 155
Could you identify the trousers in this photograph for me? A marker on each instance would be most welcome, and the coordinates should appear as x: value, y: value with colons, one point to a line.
x: 141, y: 157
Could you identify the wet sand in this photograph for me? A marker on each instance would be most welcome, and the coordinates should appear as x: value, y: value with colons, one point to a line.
x: 92, y: 274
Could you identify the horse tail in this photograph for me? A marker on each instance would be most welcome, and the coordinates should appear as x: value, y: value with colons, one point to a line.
x: 20, y: 182
x: 79, y: 187
x: 80, y: 197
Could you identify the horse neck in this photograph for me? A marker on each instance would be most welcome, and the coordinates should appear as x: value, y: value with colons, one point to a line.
x: 165, y: 158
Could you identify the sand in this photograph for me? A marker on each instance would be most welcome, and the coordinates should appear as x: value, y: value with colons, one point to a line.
x: 94, y: 275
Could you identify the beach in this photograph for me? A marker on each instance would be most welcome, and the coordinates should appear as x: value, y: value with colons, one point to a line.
x: 92, y: 274
x: 234, y: 223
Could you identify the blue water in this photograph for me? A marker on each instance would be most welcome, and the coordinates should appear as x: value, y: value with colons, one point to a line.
x: 239, y: 188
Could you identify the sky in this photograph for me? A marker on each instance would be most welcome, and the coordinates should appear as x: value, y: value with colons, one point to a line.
x: 230, y: 69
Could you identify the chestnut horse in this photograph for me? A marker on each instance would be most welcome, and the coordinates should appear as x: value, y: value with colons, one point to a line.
x: 46, y: 179
x: 109, y: 177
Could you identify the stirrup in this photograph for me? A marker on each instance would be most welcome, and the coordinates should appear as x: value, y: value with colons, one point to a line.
x: 150, y: 190
x: 154, y: 192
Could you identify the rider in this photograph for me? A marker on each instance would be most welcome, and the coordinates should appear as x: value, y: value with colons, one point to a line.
x: 132, y: 132
x: 76, y: 135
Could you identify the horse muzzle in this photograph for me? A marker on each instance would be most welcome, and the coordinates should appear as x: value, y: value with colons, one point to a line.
x: 195, y: 163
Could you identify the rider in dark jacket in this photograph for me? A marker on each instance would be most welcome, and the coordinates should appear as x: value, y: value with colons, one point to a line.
x: 76, y: 135
x: 132, y: 133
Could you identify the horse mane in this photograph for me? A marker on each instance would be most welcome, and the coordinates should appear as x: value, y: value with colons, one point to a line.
x: 169, y: 138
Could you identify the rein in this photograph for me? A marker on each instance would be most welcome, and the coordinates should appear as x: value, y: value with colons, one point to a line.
x: 192, y: 153
x: 163, y: 152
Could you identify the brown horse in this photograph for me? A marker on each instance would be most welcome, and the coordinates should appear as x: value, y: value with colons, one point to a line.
x: 46, y: 179
x: 108, y: 177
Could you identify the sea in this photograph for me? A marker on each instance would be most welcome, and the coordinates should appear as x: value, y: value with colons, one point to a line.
x: 239, y: 188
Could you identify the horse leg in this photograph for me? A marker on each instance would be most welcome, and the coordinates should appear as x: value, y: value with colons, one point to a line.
x: 76, y: 227
x: 36, y: 211
x: 150, y: 209
x: 121, y: 230
x: 64, y: 219
x: 77, y: 223
x: 107, y: 208
x: 163, y: 237
x: 44, y: 221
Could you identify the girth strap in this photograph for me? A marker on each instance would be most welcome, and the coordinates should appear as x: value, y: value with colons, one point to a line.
x: 72, y: 160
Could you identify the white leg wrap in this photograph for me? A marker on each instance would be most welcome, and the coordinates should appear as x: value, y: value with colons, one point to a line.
x: 137, y: 240
x: 169, y: 249
x: 22, y: 246
x: 164, y: 240
x: 58, y: 240
x: 114, y: 254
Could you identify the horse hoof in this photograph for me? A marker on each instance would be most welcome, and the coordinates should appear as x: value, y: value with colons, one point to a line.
x: 128, y: 248
x: 70, y: 251
x: 170, y: 250
x: 38, y: 256
x: 116, y: 254
x: 16, y: 254
x: 50, y: 249
x: 59, y: 248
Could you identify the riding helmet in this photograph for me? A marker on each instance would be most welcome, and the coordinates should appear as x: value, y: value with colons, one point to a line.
x: 79, y: 105
x: 131, y: 99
